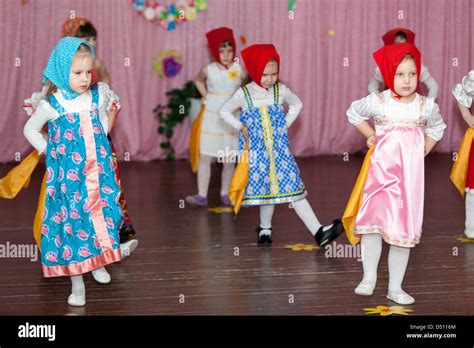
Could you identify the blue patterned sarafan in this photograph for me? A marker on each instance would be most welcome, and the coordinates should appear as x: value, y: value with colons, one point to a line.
x: 70, y: 241
x: 274, y: 177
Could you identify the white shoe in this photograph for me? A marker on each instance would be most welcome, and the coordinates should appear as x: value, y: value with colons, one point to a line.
x: 469, y: 234
x: 76, y: 300
x: 400, y: 297
x: 365, y: 288
x: 101, y: 276
x: 128, y: 247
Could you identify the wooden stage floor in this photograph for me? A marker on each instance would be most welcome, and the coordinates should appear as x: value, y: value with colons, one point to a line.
x: 186, y: 262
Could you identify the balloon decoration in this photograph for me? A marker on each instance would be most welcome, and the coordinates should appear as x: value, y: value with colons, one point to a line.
x: 168, y: 63
x: 168, y: 14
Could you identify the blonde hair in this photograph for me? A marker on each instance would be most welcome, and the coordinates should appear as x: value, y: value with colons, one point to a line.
x: 51, y: 89
x: 83, y: 49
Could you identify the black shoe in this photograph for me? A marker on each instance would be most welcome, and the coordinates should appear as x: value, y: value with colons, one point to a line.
x: 263, y: 239
x: 126, y: 233
x: 326, y: 237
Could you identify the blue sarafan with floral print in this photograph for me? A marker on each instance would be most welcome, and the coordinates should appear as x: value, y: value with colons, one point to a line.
x: 82, y: 215
x: 274, y: 177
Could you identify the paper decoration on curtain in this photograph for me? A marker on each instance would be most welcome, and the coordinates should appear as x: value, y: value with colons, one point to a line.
x: 291, y: 5
x: 168, y: 14
x: 168, y: 63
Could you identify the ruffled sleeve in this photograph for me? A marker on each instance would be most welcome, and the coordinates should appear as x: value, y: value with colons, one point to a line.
x: 362, y: 110
x: 435, y: 126
x: 464, y: 91
x: 108, y: 99
x: 31, y: 104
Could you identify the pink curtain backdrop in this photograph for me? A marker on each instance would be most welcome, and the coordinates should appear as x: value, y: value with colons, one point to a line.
x: 312, y: 61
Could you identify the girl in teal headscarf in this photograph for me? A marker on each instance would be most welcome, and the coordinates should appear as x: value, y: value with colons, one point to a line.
x: 82, y: 216
x: 58, y: 69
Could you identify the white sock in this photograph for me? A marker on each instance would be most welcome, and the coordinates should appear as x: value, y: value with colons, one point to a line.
x: 307, y: 215
x: 371, y: 247
x: 469, y: 231
x: 266, y: 215
x: 78, y: 287
x: 204, y: 174
x: 397, y: 265
x: 226, y: 177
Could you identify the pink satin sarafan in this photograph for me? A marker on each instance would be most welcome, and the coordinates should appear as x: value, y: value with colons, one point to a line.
x: 393, y: 196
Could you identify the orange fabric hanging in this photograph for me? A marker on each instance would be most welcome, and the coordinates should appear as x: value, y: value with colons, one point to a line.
x: 239, y: 181
x: 38, y: 223
x: 459, y: 170
x: 19, y: 177
x: 195, y: 140
x: 355, y: 201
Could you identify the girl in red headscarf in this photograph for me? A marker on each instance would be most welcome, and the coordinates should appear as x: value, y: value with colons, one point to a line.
x: 212, y: 138
x: 390, y: 208
x: 273, y: 175
x: 396, y: 36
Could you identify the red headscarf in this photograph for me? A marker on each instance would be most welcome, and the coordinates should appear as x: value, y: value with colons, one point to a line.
x: 256, y: 57
x: 70, y: 26
x: 216, y: 37
x: 389, y: 36
x: 389, y: 57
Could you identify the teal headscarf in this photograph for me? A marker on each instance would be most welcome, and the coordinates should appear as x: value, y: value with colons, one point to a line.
x: 59, y: 64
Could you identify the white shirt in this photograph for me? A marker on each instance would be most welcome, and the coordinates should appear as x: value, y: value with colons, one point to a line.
x: 365, y: 108
x: 260, y: 97
x: 464, y: 91
x: 44, y: 112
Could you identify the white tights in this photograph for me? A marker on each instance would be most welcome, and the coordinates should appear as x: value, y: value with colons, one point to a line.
x: 204, y: 175
x: 302, y: 209
x: 398, y: 257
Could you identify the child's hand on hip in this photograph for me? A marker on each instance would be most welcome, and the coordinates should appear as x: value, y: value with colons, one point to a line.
x: 471, y: 121
x: 245, y: 133
x: 371, y: 140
